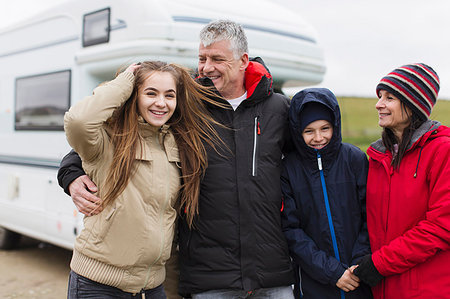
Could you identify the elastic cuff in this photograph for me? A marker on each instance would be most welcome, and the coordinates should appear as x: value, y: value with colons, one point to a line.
x: 338, y: 275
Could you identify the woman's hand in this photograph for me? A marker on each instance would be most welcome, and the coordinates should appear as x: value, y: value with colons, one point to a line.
x: 133, y: 67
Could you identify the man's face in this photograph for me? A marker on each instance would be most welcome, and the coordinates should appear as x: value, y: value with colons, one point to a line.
x: 218, y: 63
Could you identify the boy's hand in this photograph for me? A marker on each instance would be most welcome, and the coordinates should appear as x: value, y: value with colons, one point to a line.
x: 348, y: 281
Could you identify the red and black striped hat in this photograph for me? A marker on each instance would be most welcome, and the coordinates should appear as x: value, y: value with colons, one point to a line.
x: 416, y: 85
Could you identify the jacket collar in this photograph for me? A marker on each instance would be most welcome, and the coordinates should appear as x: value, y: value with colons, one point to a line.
x: 258, y: 80
x: 419, y: 137
x: 164, y: 136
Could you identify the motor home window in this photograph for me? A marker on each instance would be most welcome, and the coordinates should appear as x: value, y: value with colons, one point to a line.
x: 42, y: 100
x: 96, y: 27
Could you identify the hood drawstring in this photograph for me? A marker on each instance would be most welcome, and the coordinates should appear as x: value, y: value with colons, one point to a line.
x: 418, y: 160
x: 162, y: 133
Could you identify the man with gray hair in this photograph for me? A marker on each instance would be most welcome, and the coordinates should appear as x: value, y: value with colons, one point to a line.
x: 224, y: 50
x: 236, y: 247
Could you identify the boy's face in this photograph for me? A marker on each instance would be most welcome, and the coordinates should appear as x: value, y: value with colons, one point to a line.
x: 318, y: 134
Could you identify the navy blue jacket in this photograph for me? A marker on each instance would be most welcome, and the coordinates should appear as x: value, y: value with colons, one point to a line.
x: 324, y: 244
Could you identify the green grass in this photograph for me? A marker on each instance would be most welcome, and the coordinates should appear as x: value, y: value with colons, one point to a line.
x: 360, y: 119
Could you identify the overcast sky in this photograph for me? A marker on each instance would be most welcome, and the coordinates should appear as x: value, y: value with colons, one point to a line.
x: 363, y: 40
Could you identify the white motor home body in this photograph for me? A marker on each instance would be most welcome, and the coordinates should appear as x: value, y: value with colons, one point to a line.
x: 57, y: 57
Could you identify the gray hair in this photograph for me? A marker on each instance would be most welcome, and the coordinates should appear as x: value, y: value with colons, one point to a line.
x: 220, y: 30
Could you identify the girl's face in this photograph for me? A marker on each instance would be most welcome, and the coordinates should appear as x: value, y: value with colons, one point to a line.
x: 157, y: 98
x: 390, y: 113
x: 318, y: 134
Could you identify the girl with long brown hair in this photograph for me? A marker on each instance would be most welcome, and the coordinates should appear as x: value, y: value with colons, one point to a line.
x: 134, y: 135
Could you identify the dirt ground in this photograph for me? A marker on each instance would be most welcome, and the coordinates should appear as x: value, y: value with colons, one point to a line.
x: 35, y: 270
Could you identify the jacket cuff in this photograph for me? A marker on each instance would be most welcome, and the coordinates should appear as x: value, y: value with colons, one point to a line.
x: 338, y: 274
x: 378, y: 262
x: 128, y: 76
x: 69, y: 169
x: 68, y: 177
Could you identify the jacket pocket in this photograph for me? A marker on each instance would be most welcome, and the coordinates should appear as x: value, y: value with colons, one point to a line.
x: 188, y: 243
x: 106, y: 222
x: 414, y: 282
x: 256, y: 133
x: 96, y: 227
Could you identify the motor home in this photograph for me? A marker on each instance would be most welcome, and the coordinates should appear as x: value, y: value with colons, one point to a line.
x: 57, y: 57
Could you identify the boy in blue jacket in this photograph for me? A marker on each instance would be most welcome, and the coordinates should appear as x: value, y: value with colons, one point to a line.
x: 324, y: 189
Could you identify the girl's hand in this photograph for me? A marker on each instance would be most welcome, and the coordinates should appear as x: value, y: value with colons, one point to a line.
x: 132, y: 68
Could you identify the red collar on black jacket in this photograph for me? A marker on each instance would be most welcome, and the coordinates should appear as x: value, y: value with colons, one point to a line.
x: 253, y: 75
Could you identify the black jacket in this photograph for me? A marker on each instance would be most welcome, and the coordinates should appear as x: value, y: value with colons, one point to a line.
x: 69, y: 169
x: 306, y: 222
x: 237, y: 241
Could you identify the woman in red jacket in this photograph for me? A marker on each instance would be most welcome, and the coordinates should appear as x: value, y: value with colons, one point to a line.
x: 408, y: 191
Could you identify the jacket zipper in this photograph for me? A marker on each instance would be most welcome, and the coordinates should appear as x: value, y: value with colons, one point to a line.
x: 256, y: 133
x: 161, y: 215
x: 327, y: 207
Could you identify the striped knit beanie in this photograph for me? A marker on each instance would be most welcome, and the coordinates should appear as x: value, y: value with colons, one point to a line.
x: 416, y: 85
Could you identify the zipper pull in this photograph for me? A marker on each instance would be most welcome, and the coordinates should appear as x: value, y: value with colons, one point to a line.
x: 319, y: 160
x: 259, y: 129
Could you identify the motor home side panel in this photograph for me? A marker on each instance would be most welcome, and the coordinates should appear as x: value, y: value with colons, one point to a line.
x: 31, y: 202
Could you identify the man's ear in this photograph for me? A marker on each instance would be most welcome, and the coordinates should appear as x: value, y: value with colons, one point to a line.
x: 244, y: 61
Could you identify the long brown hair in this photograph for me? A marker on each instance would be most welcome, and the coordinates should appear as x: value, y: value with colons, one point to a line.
x: 390, y: 140
x: 191, y: 124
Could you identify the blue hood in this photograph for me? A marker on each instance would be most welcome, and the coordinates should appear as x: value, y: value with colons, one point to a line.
x: 327, y: 98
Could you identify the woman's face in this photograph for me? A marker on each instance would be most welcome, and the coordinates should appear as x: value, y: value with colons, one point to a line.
x: 318, y: 134
x: 157, y: 98
x: 390, y: 113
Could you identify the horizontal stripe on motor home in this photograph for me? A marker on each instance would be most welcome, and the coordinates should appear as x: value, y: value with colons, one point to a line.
x: 246, y: 26
x: 30, y: 161
x: 120, y: 25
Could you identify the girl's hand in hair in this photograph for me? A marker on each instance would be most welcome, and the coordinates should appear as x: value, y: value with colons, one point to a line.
x: 133, y: 67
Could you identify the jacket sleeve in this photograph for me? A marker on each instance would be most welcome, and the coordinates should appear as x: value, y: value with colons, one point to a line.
x: 84, y: 122
x: 428, y: 236
x: 320, y: 266
x: 69, y: 169
x: 288, y: 144
x: 360, y: 167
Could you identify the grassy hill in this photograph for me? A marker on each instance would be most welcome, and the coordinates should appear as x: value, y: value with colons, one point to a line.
x: 360, y: 119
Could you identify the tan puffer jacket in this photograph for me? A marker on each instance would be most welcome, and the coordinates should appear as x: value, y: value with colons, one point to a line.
x: 128, y: 243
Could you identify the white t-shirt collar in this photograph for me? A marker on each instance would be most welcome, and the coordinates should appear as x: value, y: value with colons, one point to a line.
x: 237, y: 101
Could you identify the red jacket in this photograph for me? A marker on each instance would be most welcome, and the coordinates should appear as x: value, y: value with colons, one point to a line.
x: 408, y: 216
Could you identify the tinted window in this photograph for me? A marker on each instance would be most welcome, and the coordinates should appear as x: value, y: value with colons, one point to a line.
x: 96, y: 27
x: 42, y: 100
